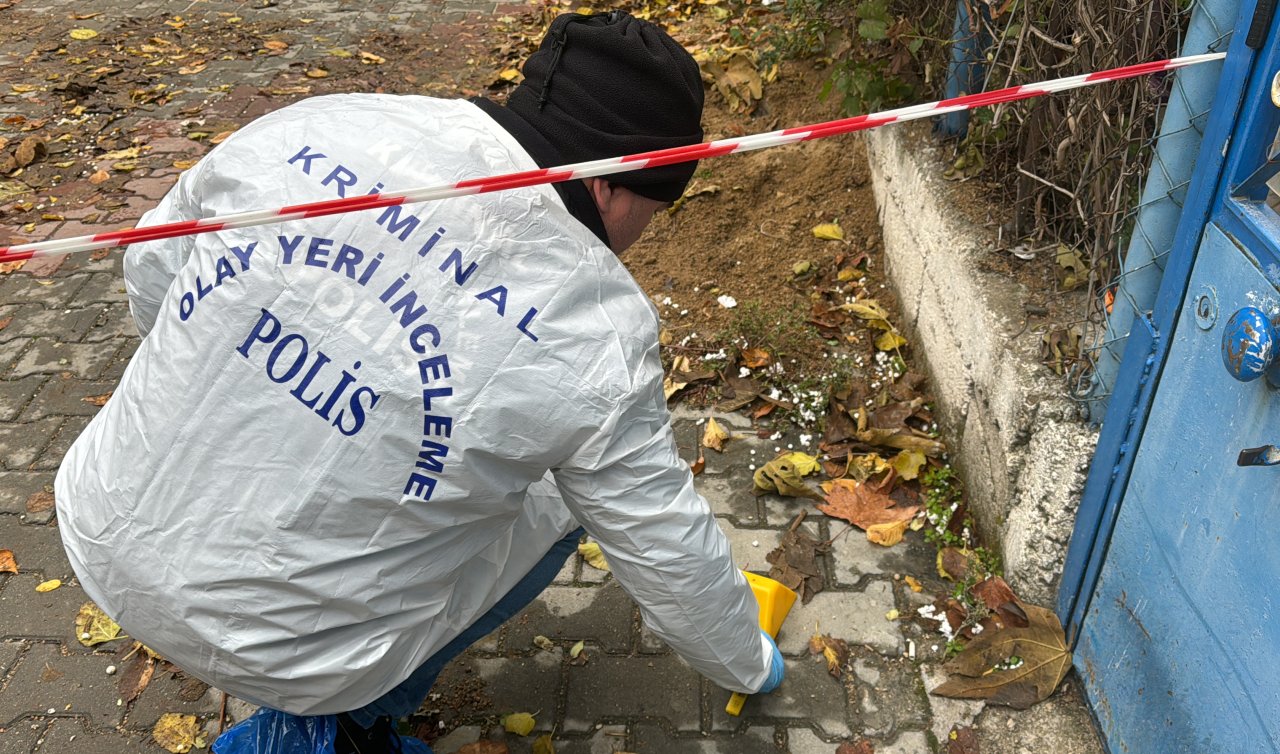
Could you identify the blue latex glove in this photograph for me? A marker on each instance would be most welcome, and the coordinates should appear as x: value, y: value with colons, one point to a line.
x: 776, y: 670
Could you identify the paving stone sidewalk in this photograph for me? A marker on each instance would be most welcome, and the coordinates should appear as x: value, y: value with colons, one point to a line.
x: 68, y: 337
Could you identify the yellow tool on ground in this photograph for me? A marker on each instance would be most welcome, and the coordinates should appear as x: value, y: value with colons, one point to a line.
x: 775, y: 602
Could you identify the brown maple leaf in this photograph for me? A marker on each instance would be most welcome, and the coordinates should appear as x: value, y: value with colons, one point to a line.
x: 863, y: 504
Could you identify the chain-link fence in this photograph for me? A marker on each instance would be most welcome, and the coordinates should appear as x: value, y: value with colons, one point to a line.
x: 1131, y: 294
x: 1096, y: 177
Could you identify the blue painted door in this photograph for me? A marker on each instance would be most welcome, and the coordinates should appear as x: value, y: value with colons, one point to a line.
x: 1179, y: 646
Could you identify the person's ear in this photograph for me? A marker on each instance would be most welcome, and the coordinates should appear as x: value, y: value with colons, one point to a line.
x: 601, y: 192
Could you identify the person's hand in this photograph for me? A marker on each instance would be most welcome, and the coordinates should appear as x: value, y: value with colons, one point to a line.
x: 775, y: 667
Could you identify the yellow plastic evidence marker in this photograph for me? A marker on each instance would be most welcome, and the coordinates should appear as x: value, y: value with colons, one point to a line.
x: 775, y: 602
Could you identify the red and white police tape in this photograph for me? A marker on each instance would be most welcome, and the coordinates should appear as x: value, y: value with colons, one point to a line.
x: 588, y: 169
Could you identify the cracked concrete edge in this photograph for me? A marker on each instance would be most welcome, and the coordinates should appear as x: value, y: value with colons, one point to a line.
x: 1021, y: 447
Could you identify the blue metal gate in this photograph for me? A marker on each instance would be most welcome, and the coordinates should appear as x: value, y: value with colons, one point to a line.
x: 1171, y: 586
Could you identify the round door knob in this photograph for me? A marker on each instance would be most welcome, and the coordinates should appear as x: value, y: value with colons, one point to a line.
x: 1249, y: 344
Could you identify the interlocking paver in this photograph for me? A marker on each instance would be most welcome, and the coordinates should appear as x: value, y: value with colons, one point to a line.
x: 52, y: 455
x: 72, y: 737
x: 113, y: 321
x: 64, y: 396
x: 20, y: 444
x: 54, y: 293
x: 810, y: 695
x: 36, y: 548
x: 46, y: 356
x: 21, y: 738
x: 101, y: 288
x: 652, y: 739
x: 607, y: 688
x: 47, y: 682
x: 16, y: 487
x: 524, y: 684
x: 602, y: 613
x: 16, y: 394
x: 33, y: 320
x: 28, y: 614
x: 856, y: 617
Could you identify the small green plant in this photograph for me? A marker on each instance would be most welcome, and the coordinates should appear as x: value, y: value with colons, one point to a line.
x: 941, y: 503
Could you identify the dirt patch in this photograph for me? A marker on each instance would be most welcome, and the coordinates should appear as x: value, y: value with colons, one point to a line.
x: 745, y: 239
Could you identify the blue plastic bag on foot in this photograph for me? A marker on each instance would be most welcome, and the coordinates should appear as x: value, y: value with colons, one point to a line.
x: 270, y: 731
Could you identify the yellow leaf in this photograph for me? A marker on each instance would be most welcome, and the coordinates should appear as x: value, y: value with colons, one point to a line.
x: 869, y: 309
x: 544, y: 643
x: 83, y: 34
x: 805, y: 464
x: 94, y: 626
x: 891, y: 615
x: 175, y: 732
x: 890, y: 341
x: 828, y: 232
x: 220, y: 137
x: 543, y: 745
x: 519, y: 723
x: 590, y: 552
x: 915, y: 585
x: 509, y: 74
x: 184, y: 164
x: 908, y: 463
x: 847, y: 274
x: 887, y: 534
x: 317, y: 73
x: 187, y: 70
x: 22, y: 88
x: 715, y: 436
x: 48, y: 586
x: 368, y: 58
x: 176, y: 22
x: 8, y: 564
x: 576, y: 650
x: 123, y: 154
x: 338, y: 52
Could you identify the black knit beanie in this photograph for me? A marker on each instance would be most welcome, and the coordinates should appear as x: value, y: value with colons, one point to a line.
x: 608, y: 85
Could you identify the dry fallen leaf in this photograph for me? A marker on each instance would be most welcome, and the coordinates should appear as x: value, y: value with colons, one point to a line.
x: 954, y: 563
x: 915, y: 585
x: 590, y: 552
x: 962, y: 741
x: 834, y: 651
x: 8, y: 564
x: 368, y: 58
x: 861, y: 746
x: 176, y: 733
x: 276, y: 45
x: 828, y: 232
x: 754, y: 358
x: 697, y: 467
x: 317, y: 73
x: 98, y: 400
x: 39, y: 502
x: 1016, y: 667
x: 887, y: 534
x: 4, y: 322
x: 715, y: 436
x: 576, y: 650
x: 99, y: 177
x: 783, y: 476
x: 136, y: 676
x: 220, y: 137
x: 94, y: 626
x: 908, y: 463
x: 862, y: 504
x: 890, y: 341
x: 484, y: 747
x: 48, y: 586
x: 543, y: 745
x: 543, y: 643
x: 519, y: 723
x: 795, y: 562
x: 83, y: 34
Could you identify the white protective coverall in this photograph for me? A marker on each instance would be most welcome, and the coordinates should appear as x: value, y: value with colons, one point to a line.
x: 343, y: 439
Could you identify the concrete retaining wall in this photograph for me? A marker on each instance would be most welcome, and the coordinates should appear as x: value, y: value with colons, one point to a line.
x: 1019, y: 443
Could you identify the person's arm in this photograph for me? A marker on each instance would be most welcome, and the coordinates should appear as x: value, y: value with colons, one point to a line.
x: 633, y: 493
x: 149, y: 268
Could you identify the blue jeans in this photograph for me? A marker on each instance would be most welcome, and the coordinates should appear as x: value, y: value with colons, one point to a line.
x: 406, y: 698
